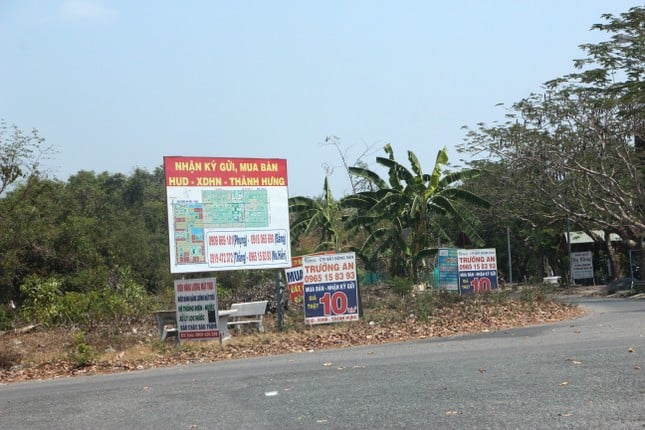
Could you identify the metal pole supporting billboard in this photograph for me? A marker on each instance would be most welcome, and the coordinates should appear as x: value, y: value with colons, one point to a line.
x: 279, y: 298
x: 571, y: 281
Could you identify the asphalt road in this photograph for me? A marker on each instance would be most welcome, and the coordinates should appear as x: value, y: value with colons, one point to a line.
x: 588, y: 373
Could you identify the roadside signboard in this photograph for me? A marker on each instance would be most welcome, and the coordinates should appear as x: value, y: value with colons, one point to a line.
x: 196, y: 304
x: 582, y: 265
x: 294, y: 281
x: 294, y: 277
x: 477, y: 270
x: 227, y: 213
x: 448, y: 270
x: 330, y: 288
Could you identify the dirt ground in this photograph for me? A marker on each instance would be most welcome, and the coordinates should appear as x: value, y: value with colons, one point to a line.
x: 58, y: 353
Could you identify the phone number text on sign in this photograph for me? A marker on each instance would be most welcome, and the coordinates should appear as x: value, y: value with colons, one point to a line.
x: 246, y: 249
x: 330, y: 288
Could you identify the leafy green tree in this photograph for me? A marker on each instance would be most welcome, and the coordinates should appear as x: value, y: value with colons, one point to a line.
x: 85, y: 232
x: 531, y: 225
x: 27, y: 231
x: 401, y: 216
x: 20, y: 154
x: 580, y: 142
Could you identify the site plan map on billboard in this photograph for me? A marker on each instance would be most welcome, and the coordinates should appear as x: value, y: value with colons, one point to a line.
x: 227, y: 213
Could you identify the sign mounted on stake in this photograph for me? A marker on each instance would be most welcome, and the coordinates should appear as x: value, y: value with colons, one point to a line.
x: 447, y: 266
x: 330, y: 288
x: 227, y: 213
x: 196, y: 302
x: 294, y: 278
x: 477, y: 270
x: 582, y: 265
x: 294, y: 284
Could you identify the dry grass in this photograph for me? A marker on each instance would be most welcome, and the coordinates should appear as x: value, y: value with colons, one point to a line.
x: 45, y: 354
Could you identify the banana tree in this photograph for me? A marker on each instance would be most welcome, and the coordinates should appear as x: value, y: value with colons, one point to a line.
x: 320, y: 217
x: 403, y: 215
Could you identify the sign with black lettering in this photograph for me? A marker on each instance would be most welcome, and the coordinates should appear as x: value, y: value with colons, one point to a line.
x: 196, y: 304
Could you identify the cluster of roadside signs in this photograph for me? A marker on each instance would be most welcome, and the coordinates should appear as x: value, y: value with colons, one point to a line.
x: 223, y: 214
x: 327, y: 286
x: 467, y: 271
x: 232, y: 214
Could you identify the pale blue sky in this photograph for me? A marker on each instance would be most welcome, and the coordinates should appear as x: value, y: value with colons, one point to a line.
x: 115, y: 85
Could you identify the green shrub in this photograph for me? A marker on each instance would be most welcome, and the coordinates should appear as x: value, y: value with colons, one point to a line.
x: 500, y: 296
x: 424, y: 305
x: 124, y: 303
x: 401, y: 286
x: 41, y: 296
x: 537, y: 293
x: 84, y: 280
x: 6, y: 319
x: 82, y: 354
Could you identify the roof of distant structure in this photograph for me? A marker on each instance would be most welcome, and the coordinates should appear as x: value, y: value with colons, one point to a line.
x: 582, y: 237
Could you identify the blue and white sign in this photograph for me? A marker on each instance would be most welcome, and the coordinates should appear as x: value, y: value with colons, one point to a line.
x: 330, y: 288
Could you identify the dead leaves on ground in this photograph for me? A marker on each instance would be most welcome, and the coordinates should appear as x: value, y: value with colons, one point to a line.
x: 377, y: 327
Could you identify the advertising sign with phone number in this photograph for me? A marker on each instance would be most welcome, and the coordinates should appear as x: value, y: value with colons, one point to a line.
x: 477, y: 270
x: 330, y: 288
x: 196, y: 304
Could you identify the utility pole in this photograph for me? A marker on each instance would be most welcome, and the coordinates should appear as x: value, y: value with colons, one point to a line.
x: 508, y: 245
x: 571, y: 282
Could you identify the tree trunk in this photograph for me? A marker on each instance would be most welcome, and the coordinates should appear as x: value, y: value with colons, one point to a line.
x: 616, y: 265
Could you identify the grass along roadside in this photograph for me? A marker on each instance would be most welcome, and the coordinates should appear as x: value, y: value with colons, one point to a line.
x: 64, y: 352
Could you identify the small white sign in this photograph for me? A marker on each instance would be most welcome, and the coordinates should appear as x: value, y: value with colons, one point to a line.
x: 582, y: 265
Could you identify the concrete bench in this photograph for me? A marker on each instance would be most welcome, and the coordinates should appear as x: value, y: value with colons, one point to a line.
x: 248, y: 314
x: 166, y: 323
x: 551, y: 280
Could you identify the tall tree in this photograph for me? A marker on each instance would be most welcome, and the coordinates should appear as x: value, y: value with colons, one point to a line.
x: 532, y: 226
x: 86, y: 232
x: 580, y: 141
x: 29, y: 223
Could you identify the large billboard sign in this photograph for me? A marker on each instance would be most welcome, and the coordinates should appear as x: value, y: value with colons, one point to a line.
x: 477, y: 270
x: 330, y: 288
x: 227, y: 213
